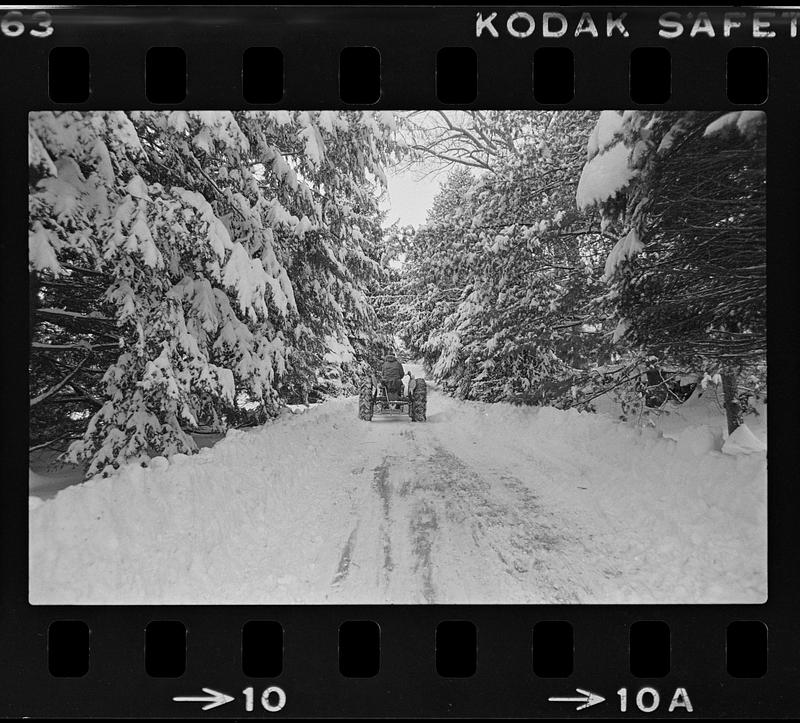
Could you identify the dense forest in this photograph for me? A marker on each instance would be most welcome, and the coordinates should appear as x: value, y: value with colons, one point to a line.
x: 570, y: 254
x: 203, y: 269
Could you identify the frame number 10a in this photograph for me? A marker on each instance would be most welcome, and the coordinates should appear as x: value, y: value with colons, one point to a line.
x: 645, y: 700
x: 648, y: 700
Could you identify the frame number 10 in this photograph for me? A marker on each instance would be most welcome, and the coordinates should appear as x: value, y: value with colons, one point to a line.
x: 272, y: 699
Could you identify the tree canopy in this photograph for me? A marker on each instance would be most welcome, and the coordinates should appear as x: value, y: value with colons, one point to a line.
x: 187, y: 263
x: 202, y: 269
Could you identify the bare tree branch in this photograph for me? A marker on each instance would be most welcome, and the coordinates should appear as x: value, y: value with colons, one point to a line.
x: 56, y: 387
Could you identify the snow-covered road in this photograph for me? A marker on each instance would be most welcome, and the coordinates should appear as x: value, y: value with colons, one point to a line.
x: 480, y: 504
x: 429, y: 521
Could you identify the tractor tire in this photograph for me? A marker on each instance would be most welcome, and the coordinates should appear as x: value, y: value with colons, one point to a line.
x: 419, y: 401
x: 366, y: 401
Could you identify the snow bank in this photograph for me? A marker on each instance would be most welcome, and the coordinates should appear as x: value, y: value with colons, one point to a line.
x: 272, y: 515
x: 688, y: 523
x: 742, y: 441
x: 192, y: 529
x: 697, y: 441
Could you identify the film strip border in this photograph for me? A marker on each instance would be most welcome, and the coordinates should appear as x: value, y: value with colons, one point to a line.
x: 335, y: 57
x: 455, y: 648
x: 95, y: 661
x: 393, y: 661
x: 263, y: 75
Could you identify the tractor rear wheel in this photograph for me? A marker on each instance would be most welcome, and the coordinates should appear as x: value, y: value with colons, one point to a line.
x: 419, y: 401
x: 366, y: 400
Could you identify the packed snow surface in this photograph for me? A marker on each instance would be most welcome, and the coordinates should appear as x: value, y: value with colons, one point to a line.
x: 483, y: 503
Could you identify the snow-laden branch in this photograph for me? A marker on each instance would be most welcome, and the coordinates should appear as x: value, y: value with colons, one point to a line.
x: 83, y: 270
x: 216, y: 188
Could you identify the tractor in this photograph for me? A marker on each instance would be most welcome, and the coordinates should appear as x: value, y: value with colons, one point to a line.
x: 376, y: 396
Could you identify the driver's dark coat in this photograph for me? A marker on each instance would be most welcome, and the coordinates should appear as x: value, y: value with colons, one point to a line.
x: 392, y: 369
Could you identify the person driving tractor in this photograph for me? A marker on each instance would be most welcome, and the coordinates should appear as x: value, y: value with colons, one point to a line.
x: 382, y: 391
x: 392, y: 374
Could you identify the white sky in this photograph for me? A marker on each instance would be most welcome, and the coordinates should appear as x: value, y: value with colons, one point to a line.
x: 410, y: 197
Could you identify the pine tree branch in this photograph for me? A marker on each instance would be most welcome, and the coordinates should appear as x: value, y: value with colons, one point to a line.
x: 83, y: 270
x: 91, y: 316
x: 56, y: 387
x: 78, y: 345
x: 51, y: 442
x: 217, y: 189
x: 612, y: 387
x: 85, y: 394
x: 70, y: 398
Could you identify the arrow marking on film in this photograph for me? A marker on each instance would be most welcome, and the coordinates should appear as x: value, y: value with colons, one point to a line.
x: 587, y: 699
x: 212, y: 699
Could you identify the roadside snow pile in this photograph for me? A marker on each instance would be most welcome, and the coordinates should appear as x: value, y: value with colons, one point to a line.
x: 702, y: 414
x: 486, y: 501
x: 696, y: 441
x: 742, y: 441
x: 300, y: 408
x: 689, y: 523
x: 191, y: 529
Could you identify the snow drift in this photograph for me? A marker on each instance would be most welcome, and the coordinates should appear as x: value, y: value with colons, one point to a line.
x: 486, y: 503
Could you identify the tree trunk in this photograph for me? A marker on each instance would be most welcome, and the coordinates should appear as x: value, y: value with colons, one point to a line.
x: 730, y: 395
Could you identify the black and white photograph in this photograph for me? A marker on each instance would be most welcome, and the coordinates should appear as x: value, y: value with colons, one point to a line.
x: 413, y: 357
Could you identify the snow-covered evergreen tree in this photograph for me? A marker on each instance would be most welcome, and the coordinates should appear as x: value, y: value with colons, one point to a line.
x: 230, y: 253
x: 389, y: 294
x: 505, y: 267
x: 434, y: 276
x: 684, y: 193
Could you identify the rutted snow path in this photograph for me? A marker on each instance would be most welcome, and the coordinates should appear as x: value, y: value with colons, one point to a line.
x: 481, y: 504
x: 429, y: 526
